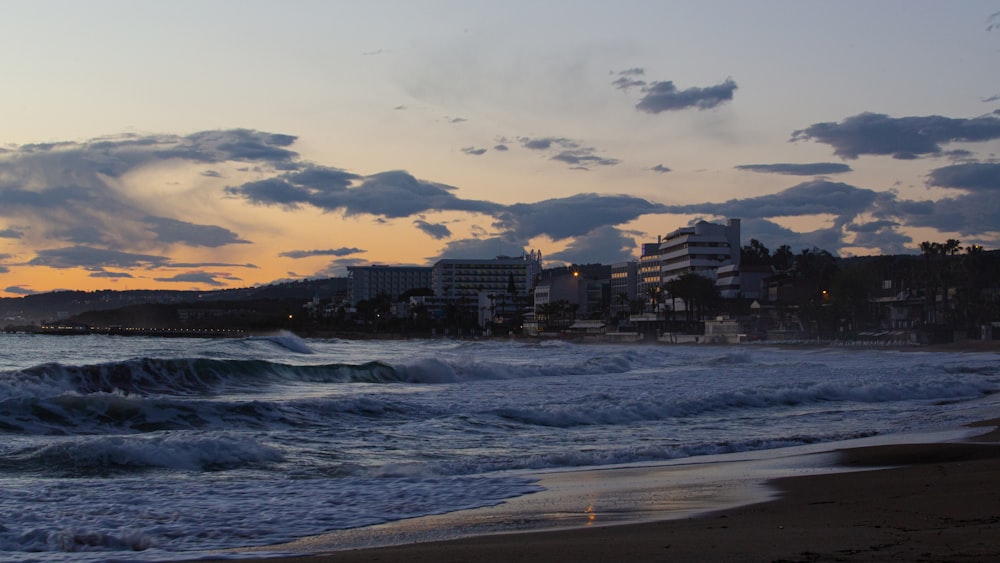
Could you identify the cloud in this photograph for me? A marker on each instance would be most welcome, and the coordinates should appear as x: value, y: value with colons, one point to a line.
x: 664, y: 96
x: 343, y: 251
x: 863, y: 217
x: 568, y: 151
x: 323, y: 178
x: 627, y: 79
x: 173, y: 231
x: 972, y: 214
x: 476, y: 248
x: 811, y: 169
x: 572, y: 216
x: 883, y: 235
x: 391, y: 194
x: 338, y: 268
x: 808, y: 198
x: 94, y: 258
x: 582, y: 158
x: 545, y: 143
x: 660, y: 168
x: 474, y: 151
x: 501, y: 147
x: 973, y: 176
x: 199, y: 277
x: 210, y: 265
x: 43, y: 198
x: 273, y: 191
x: 437, y: 231
x: 605, y: 244
x: 19, y: 290
x: 904, y: 138
x: 110, y: 275
x: 74, y: 192
x: 10, y: 233
x: 244, y: 145
x: 847, y: 205
x: 80, y: 234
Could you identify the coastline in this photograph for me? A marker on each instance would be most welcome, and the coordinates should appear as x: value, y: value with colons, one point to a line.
x: 936, y: 500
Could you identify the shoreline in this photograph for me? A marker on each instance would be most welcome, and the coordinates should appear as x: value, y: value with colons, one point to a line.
x: 936, y: 500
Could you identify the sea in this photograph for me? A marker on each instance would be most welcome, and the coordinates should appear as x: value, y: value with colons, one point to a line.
x: 118, y: 448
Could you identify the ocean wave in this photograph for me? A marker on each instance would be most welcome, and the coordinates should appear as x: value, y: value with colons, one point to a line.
x: 104, y: 455
x: 72, y: 414
x: 599, y: 457
x: 610, y: 412
x: 209, y: 376
x: 136, y: 519
x: 287, y: 340
x: 183, y: 376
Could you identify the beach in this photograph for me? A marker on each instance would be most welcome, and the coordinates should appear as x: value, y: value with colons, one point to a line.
x: 936, y: 501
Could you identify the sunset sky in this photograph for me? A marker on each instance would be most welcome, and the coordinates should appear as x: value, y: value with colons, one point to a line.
x: 210, y: 144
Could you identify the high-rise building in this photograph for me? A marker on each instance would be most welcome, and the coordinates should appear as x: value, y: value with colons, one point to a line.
x: 650, y: 279
x: 368, y: 282
x: 464, y: 278
x: 700, y: 249
x: 624, y: 286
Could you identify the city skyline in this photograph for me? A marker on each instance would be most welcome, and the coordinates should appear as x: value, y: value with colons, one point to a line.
x: 192, y: 145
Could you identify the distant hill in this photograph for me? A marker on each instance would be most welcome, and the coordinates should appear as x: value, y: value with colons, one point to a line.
x: 42, y: 307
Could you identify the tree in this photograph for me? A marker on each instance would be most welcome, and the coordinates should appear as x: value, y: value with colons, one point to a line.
x: 655, y: 297
x: 935, y: 254
x: 783, y: 258
x: 697, y: 292
x: 672, y: 287
x: 375, y: 311
x: 622, y: 304
x: 755, y: 254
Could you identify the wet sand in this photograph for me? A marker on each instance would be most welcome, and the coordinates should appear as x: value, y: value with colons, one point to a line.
x: 913, y: 502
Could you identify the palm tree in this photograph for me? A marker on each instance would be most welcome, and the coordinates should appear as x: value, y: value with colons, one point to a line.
x: 622, y: 299
x: 697, y: 292
x: 934, y: 255
x: 655, y: 296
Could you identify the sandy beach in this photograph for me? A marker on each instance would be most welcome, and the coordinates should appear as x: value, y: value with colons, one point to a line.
x: 911, y: 502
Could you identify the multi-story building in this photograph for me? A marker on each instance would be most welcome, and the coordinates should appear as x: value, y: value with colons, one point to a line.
x: 583, y: 296
x: 742, y: 280
x: 503, y: 275
x: 700, y: 249
x: 624, y: 286
x: 367, y: 282
x: 650, y: 279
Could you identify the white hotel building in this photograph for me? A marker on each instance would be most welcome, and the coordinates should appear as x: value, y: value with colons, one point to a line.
x: 701, y: 249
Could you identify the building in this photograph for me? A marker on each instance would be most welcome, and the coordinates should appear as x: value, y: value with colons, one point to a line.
x: 705, y: 249
x: 624, y: 287
x: 561, y: 300
x: 503, y: 275
x: 700, y: 249
x: 649, y: 280
x: 747, y: 281
x: 368, y: 282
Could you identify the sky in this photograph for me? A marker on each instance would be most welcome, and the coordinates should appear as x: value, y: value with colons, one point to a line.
x: 213, y: 144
